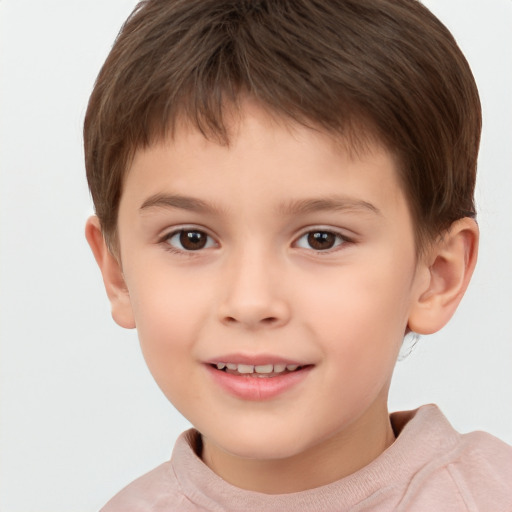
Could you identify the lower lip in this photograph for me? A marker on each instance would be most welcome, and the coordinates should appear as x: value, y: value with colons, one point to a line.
x: 249, y: 387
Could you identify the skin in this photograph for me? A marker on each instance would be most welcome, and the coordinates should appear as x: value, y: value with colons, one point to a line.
x: 258, y: 287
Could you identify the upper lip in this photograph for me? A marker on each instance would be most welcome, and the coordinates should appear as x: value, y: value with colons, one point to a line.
x: 255, y: 360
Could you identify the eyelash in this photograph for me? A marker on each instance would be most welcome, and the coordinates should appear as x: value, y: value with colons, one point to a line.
x: 339, y: 240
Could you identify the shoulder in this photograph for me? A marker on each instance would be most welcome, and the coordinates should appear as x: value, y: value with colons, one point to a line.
x: 467, y: 472
x: 157, y: 490
x: 160, y: 489
x: 480, y: 467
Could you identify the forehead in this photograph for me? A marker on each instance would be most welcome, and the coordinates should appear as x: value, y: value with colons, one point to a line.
x: 266, y: 159
x: 355, y: 135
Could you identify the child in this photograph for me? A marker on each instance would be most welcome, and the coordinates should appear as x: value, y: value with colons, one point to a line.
x: 284, y: 190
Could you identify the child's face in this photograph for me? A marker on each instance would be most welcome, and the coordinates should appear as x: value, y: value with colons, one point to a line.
x: 280, y: 249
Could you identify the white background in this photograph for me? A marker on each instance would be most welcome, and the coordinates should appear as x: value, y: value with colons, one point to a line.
x: 79, y: 413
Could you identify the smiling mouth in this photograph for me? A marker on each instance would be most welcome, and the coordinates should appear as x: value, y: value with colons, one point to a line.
x: 261, y: 371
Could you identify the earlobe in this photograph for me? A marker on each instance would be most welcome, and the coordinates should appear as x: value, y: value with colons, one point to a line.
x: 446, y: 271
x: 112, y: 273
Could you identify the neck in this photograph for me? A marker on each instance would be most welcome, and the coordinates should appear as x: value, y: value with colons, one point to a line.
x: 332, y: 459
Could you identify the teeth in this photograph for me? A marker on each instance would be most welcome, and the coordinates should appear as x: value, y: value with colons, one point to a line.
x: 266, y: 368
x: 260, y: 369
x: 245, y: 368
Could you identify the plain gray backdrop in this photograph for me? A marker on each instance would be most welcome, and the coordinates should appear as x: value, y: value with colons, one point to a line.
x: 80, y: 416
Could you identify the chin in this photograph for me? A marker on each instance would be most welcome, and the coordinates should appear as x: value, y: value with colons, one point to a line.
x: 261, y: 445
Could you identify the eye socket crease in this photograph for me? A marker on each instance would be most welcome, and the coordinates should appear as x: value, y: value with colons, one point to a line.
x: 293, y: 208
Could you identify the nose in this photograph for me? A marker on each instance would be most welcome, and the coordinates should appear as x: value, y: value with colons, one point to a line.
x: 254, y: 294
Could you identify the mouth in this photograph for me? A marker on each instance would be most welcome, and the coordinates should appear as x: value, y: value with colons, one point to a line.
x: 258, y: 377
x: 268, y: 370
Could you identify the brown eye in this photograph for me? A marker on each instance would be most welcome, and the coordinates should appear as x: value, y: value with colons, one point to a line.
x: 190, y: 240
x: 320, y: 240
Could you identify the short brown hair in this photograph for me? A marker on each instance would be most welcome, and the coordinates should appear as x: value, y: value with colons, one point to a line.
x: 353, y: 67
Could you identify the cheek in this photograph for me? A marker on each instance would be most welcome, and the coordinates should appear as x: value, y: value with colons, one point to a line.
x: 168, y: 315
x: 360, y: 333
x: 164, y: 300
x: 361, y: 315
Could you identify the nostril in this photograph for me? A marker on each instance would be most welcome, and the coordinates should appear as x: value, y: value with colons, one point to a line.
x: 269, y: 320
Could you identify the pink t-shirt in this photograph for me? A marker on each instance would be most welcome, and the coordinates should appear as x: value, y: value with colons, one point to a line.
x: 429, y: 468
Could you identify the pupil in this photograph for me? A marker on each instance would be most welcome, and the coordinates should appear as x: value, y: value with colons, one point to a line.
x: 192, y: 240
x: 321, y: 240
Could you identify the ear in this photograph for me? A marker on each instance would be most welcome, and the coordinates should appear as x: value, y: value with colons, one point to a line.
x: 112, y: 273
x: 444, y: 276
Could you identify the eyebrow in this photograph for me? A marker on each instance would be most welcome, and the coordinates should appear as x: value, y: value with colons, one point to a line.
x: 331, y: 203
x: 177, y: 201
x: 294, y: 207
